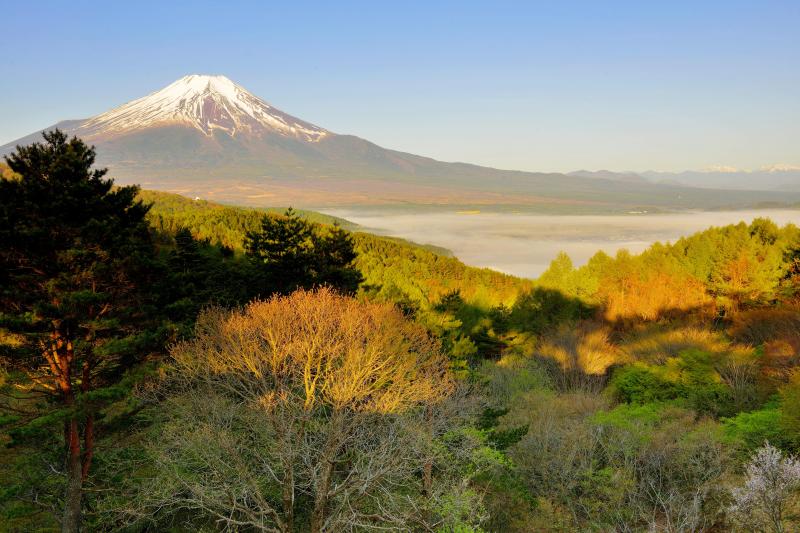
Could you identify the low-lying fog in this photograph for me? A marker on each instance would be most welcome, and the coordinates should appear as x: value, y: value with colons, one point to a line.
x: 524, y: 244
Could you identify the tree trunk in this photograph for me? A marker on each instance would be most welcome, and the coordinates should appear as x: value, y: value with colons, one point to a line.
x: 71, y: 522
x: 328, y: 460
x: 288, y: 496
x: 88, y: 430
x: 427, y: 478
x: 88, y: 446
x: 427, y: 467
x: 321, y: 501
x: 61, y: 359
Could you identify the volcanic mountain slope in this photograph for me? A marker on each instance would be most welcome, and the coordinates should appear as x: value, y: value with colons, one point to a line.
x: 207, y: 136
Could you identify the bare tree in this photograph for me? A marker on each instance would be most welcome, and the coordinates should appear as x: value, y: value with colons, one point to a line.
x: 739, y: 370
x: 771, y: 482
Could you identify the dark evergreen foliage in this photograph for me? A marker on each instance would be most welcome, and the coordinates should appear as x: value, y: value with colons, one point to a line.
x: 76, y: 253
x: 290, y: 253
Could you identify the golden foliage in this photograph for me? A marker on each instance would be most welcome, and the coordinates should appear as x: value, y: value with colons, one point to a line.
x: 655, y: 343
x: 7, y: 174
x: 586, y: 349
x: 10, y: 339
x: 317, y: 348
x: 649, y: 295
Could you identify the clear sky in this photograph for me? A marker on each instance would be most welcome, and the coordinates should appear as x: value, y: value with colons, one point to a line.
x: 531, y: 85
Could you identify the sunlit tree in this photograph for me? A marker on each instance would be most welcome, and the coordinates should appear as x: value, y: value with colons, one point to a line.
x: 311, y: 411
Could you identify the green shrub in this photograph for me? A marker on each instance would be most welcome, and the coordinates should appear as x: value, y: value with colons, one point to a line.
x: 641, y: 385
x: 748, y: 431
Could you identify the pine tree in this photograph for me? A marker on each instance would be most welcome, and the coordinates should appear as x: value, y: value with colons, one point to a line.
x: 282, y: 248
x: 291, y: 252
x: 335, y: 255
x: 75, y: 253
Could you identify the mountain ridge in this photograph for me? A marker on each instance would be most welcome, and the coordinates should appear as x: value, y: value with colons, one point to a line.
x: 207, y: 136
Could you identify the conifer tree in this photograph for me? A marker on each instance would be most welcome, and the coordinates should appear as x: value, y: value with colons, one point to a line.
x: 75, y: 253
x: 291, y: 252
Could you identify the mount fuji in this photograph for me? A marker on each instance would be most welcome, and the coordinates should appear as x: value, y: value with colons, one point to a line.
x: 207, y: 104
x: 207, y: 136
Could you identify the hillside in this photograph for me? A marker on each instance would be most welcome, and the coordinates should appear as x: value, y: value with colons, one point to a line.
x: 393, y: 268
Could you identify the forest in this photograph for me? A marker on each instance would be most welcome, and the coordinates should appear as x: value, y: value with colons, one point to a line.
x: 169, y: 364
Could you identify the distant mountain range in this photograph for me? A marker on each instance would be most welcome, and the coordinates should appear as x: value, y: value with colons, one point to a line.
x: 775, y: 177
x: 207, y: 136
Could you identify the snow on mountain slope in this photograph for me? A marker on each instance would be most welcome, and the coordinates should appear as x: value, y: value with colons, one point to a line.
x: 207, y: 103
x: 206, y: 136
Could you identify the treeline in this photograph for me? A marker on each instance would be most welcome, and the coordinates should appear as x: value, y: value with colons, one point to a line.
x: 393, y: 269
x: 723, y: 270
x: 213, y: 222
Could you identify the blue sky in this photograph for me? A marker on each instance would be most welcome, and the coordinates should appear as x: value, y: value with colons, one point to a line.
x: 551, y: 86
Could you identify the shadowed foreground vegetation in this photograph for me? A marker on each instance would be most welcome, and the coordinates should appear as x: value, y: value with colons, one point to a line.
x: 172, y: 365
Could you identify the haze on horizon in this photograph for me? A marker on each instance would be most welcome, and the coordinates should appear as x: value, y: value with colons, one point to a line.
x: 530, y: 86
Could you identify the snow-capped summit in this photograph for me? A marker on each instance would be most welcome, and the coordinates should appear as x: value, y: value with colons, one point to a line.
x: 207, y: 103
